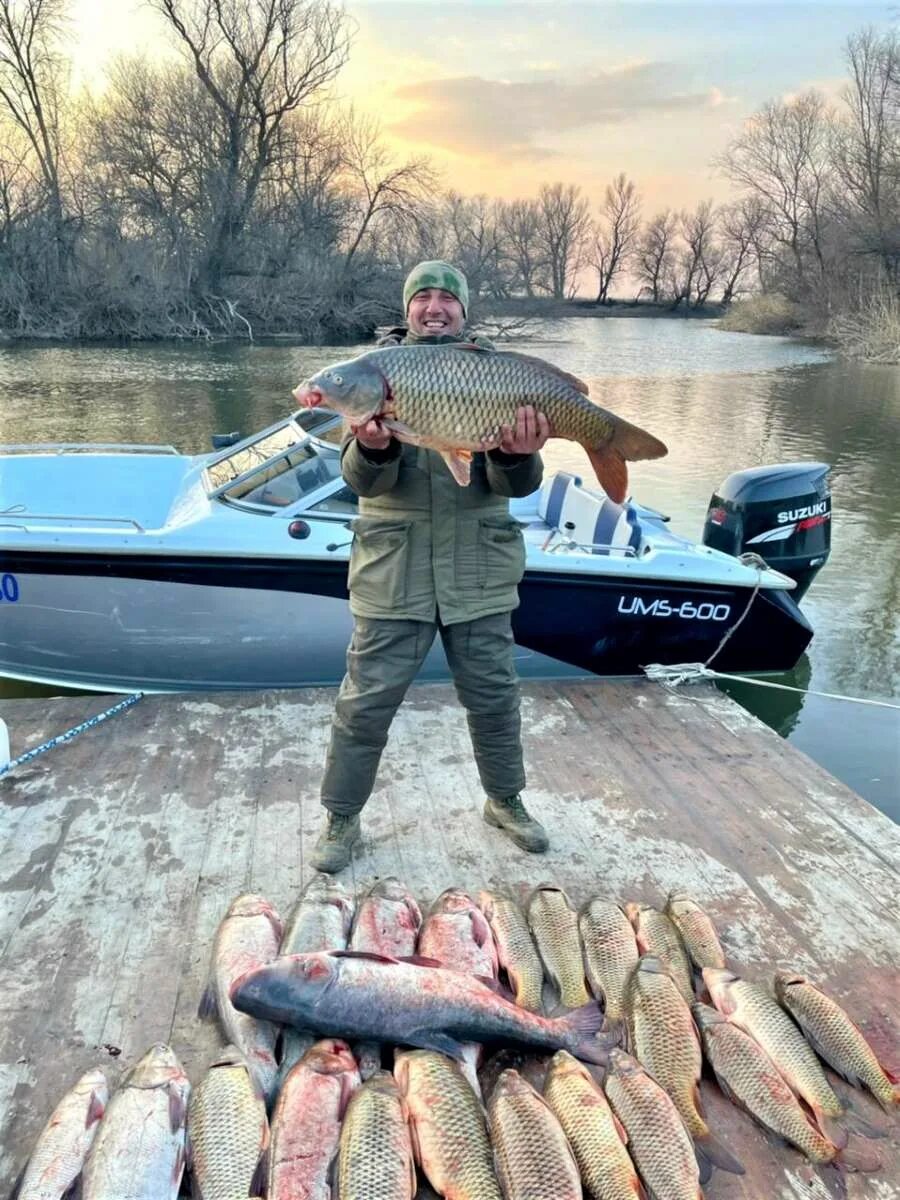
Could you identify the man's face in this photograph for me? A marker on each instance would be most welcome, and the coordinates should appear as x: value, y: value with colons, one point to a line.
x: 433, y: 312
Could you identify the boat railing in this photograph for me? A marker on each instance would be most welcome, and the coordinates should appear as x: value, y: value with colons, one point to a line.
x: 85, y: 447
x: 589, y: 547
x: 18, y: 518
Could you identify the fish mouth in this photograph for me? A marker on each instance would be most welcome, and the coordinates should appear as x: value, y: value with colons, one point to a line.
x: 308, y: 396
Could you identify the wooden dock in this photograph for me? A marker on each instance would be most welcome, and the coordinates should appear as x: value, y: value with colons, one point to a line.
x: 123, y: 848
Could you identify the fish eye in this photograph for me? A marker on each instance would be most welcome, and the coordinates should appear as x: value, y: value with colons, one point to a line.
x: 337, y: 379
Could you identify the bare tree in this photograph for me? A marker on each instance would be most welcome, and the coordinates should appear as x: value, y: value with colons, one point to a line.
x: 743, y: 237
x: 782, y: 156
x: 702, y: 260
x: 519, y: 222
x: 565, y: 225
x: 618, y: 230
x: 32, y: 84
x: 257, y: 60
x: 654, y: 253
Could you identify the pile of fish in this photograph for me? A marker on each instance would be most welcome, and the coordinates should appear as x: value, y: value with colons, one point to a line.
x: 355, y: 1059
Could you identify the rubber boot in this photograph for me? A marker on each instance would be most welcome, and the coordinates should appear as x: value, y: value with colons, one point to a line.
x: 335, y: 843
x: 512, y: 817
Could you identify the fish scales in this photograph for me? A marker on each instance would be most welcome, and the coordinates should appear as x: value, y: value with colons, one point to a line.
x: 836, y: 1038
x: 555, y: 927
x: 593, y: 1133
x: 749, y: 1077
x: 516, y: 950
x: 534, y: 1160
x: 697, y: 930
x: 227, y: 1128
x: 450, y: 1138
x: 306, y: 1123
x: 656, y: 934
x: 375, y: 1159
x: 63, y: 1144
x: 660, y: 1145
x: 610, y: 953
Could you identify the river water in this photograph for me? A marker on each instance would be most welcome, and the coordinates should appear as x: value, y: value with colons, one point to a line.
x: 720, y: 401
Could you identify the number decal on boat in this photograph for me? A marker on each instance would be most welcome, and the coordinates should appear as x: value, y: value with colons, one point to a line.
x: 635, y: 606
x: 9, y: 588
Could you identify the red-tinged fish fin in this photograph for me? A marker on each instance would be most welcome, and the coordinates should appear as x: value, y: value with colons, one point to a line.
x: 499, y: 989
x: 348, y: 1087
x: 416, y: 1144
x: 277, y: 924
x: 458, y: 465
x: 95, y: 1111
x: 402, y: 432
x: 208, y: 1008
x: 260, y: 1175
x: 481, y: 928
x: 422, y: 960
x: 532, y: 359
x: 619, y: 1128
x: 382, y: 958
x: 709, y: 1148
x: 857, y: 1158
x: 612, y: 475
x: 633, y: 443
x: 177, y: 1108
x: 833, y: 1128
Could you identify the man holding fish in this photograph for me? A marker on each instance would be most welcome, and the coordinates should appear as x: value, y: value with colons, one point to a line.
x: 443, y: 430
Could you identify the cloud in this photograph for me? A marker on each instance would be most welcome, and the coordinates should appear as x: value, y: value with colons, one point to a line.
x: 472, y: 115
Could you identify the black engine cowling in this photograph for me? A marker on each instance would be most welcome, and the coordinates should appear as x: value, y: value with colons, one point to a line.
x: 782, y: 513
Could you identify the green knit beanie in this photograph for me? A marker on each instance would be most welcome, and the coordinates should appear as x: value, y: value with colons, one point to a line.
x: 436, y: 274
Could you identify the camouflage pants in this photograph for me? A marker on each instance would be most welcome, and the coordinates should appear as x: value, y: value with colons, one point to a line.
x: 382, y: 661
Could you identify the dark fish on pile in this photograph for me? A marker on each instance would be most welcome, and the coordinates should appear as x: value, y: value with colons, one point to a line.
x: 836, y: 1038
x: 534, y: 1160
x: 531, y: 1065
x: 455, y: 397
x: 62, y: 1146
x: 248, y: 936
x: 555, y: 927
x: 665, y: 1041
x: 657, y: 934
x: 407, y: 1003
x: 139, y: 1150
x: 697, y: 930
x: 320, y: 921
x: 306, y: 1123
x: 751, y: 1080
x: 516, y: 950
x: 659, y: 1143
x: 456, y: 933
x: 610, y: 954
x: 228, y: 1133
x: 447, y: 1125
x: 749, y: 1006
x: 597, y: 1138
x: 375, y: 1158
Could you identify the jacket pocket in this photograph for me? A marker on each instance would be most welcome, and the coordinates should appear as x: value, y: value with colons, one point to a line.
x: 501, y: 553
x: 379, y: 562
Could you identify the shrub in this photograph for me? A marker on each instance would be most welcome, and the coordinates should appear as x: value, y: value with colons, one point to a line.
x: 771, y: 313
x: 871, y: 332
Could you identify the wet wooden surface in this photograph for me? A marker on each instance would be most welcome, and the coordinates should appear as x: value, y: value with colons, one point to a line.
x: 123, y: 848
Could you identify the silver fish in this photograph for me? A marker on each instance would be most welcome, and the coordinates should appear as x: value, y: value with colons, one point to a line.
x: 62, y: 1146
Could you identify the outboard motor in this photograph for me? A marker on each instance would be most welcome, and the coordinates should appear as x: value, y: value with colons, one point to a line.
x: 782, y: 513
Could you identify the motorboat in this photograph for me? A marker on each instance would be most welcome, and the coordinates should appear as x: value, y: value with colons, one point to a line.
x: 136, y: 568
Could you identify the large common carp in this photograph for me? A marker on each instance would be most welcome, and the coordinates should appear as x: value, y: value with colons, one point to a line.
x: 345, y: 994
x: 516, y: 950
x: 375, y: 1157
x: 248, y: 936
x: 610, y: 954
x: 455, y: 397
x: 534, y: 1159
x: 61, y: 1148
x: 554, y: 925
x: 139, y: 1150
x: 227, y: 1130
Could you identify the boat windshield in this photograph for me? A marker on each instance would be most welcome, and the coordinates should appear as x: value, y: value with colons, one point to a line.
x: 279, y: 468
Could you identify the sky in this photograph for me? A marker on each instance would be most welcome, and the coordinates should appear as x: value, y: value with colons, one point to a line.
x: 504, y: 96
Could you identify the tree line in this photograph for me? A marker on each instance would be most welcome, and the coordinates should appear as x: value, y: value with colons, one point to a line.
x: 226, y: 193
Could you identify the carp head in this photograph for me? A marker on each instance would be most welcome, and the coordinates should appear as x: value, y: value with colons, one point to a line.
x: 356, y: 389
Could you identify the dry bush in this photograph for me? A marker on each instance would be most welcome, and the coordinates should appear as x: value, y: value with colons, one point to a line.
x: 772, y: 313
x: 871, y: 332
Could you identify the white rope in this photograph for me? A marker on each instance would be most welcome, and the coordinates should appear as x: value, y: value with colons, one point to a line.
x: 680, y: 673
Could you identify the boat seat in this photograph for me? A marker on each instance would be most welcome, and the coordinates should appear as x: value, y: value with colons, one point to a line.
x: 597, y: 524
x: 553, y: 493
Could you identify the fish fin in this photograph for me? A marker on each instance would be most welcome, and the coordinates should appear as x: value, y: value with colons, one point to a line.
x: 260, y: 1175
x: 833, y: 1128
x: 469, y: 346
x: 458, y: 464
x: 348, y: 1087
x: 704, y: 1166
x: 422, y: 960
x: 177, y: 1109
x: 612, y: 475
x: 414, y: 1141
x: 497, y: 987
x: 618, y: 1029
x: 586, y: 1036
x: 383, y: 958
x: 402, y: 432
x: 208, y: 1008
x: 432, y: 1039
x: 709, y: 1149
x: 853, y: 1159
x: 551, y: 368
x: 854, y: 1123
x: 95, y: 1111
x: 619, y: 1128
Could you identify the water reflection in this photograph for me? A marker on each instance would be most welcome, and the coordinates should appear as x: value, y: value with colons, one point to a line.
x: 721, y: 402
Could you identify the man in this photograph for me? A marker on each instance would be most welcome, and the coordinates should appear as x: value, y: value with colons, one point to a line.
x: 432, y: 557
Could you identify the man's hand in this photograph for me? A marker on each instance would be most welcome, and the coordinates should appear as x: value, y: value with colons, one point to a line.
x: 372, y: 435
x: 529, y: 435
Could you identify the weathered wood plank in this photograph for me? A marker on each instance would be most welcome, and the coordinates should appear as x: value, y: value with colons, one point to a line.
x: 125, y: 847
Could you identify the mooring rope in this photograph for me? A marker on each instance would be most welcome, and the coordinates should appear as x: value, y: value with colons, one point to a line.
x: 679, y: 673
x: 71, y: 733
